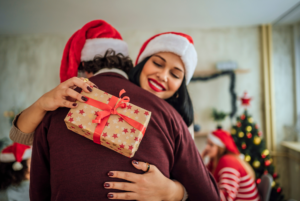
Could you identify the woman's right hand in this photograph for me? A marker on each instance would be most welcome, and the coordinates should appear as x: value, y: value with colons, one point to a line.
x: 64, y: 94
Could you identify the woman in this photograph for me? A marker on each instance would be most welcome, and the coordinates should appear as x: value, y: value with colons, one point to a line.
x: 163, y: 72
x: 235, y: 177
x: 15, y: 172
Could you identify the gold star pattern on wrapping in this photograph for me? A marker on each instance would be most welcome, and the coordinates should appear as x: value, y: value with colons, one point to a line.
x: 117, y: 134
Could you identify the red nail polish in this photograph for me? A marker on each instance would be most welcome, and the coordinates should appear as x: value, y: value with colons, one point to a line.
x: 106, y: 185
x: 89, y: 88
x: 135, y: 162
x: 84, y: 98
x: 74, y: 104
x: 110, y: 174
x: 110, y: 195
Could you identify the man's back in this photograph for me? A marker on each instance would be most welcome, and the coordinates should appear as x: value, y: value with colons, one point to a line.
x: 67, y: 166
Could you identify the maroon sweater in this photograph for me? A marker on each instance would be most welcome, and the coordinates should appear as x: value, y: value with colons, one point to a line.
x: 66, y: 166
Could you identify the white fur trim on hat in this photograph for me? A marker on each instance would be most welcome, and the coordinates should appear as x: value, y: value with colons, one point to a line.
x: 176, y: 44
x: 216, y: 140
x: 99, y: 46
x: 10, y: 157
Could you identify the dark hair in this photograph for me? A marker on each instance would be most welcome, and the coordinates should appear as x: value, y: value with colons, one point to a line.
x: 9, y: 176
x: 181, y: 100
x: 109, y: 60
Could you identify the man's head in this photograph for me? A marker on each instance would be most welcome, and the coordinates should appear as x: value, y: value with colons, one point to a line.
x: 94, y: 38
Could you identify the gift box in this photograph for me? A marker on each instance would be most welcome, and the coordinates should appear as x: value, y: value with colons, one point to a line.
x: 110, y: 121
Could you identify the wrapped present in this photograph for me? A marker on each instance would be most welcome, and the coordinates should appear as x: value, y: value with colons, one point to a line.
x: 110, y: 121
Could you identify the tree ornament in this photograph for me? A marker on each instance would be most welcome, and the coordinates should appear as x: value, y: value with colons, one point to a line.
x: 265, y: 153
x: 233, y: 131
x: 249, y: 128
x: 278, y: 190
x: 258, y: 180
x: 243, y: 117
x: 256, y: 164
x: 275, y: 175
x: 259, y: 133
x: 244, y: 146
x: 273, y: 184
x: 250, y: 120
x: 247, y: 158
x: 256, y: 140
x: 267, y: 162
x: 241, y: 134
x: 238, y: 124
x: 249, y: 135
x: 245, y: 100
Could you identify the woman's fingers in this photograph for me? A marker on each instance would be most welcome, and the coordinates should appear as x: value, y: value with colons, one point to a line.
x: 68, y: 104
x: 74, y: 95
x: 91, y: 84
x: 123, y: 196
x: 75, y: 81
x: 124, y: 175
x: 142, y: 166
x: 125, y: 186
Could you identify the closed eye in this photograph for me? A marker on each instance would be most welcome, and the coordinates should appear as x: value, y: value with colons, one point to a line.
x: 157, y: 64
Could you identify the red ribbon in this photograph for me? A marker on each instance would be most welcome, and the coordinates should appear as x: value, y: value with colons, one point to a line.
x: 109, y: 109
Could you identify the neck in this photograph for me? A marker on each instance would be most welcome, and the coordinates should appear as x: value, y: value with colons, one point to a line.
x: 112, y: 70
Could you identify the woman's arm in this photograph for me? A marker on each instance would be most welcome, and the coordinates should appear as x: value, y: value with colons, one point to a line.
x: 152, y: 185
x: 63, y: 95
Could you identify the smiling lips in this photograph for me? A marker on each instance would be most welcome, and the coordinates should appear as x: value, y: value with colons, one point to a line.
x: 155, y: 85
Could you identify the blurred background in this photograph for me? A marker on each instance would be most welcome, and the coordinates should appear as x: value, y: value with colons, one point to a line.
x: 243, y: 46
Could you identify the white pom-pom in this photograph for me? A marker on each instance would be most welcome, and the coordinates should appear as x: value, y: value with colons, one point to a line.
x: 17, y: 166
x: 242, y: 156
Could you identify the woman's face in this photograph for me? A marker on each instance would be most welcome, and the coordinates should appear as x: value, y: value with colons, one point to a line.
x: 211, y: 149
x: 162, y: 74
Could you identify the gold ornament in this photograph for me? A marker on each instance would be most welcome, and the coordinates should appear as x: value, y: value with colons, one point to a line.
x: 265, y: 152
x: 273, y: 184
x: 247, y: 158
x: 250, y: 120
x: 241, y: 134
x: 256, y: 140
x: 249, y: 128
x: 256, y: 164
x: 233, y: 131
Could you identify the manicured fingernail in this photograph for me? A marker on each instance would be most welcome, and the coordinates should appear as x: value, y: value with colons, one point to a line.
x: 84, y: 98
x: 110, y: 174
x: 110, y: 195
x: 74, y: 104
x: 106, y: 185
x: 135, y: 162
x: 89, y: 88
x: 96, y: 86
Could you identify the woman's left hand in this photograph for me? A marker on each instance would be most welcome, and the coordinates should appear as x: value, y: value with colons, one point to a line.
x: 152, y: 185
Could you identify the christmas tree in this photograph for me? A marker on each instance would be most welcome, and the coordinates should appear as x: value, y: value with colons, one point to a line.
x: 248, y: 139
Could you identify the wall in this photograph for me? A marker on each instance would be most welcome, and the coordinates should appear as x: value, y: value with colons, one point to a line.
x: 30, y: 66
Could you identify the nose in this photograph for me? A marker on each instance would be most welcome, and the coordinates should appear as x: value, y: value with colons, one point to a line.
x: 163, y: 76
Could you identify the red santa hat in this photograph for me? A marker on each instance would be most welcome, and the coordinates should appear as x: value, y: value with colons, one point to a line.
x: 177, y: 43
x: 223, y: 139
x: 94, y: 38
x: 15, y: 153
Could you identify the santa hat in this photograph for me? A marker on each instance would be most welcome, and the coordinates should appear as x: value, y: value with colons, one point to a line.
x: 94, y: 38
x: 15, y: 153
x: 177, y: 43
x: 223, y: 139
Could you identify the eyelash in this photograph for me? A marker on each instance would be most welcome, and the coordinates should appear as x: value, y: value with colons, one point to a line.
x: 158, y: 65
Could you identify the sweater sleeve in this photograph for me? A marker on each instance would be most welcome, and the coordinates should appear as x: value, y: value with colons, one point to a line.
x: 190, y: 170
x: 18, y: 136
x: 228, y: 178
x: 40, y: 188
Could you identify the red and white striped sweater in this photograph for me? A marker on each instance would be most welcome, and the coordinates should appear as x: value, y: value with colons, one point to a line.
x: 234, y: 182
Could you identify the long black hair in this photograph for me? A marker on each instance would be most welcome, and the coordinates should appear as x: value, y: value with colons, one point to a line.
x: 9, y: 176
x: 181, y: 100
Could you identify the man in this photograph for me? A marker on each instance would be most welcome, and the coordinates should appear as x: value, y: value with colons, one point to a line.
x: 66, y: 166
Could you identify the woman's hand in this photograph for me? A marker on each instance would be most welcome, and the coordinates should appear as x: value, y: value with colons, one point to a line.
x: 64, y: 94
x: 152, y: 185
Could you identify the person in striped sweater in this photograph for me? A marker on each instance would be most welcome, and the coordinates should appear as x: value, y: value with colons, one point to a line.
x: 235, y: 177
